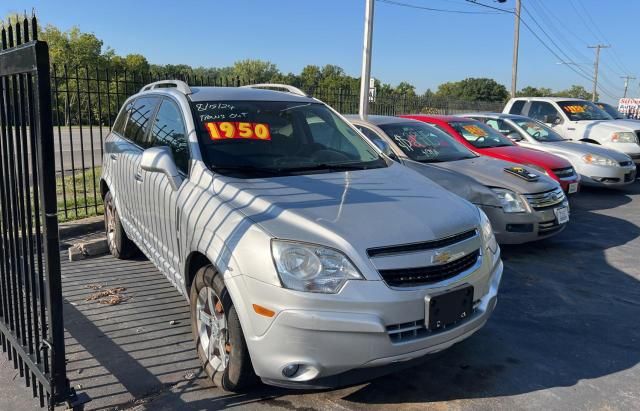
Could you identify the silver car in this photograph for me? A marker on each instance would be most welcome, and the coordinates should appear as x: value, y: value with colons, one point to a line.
x: 597, y: 165
x: 309, y: 258
x: 520, y: 209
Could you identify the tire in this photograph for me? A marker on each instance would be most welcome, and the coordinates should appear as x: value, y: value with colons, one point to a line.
x: 233, y: 370
x: 120, y: 245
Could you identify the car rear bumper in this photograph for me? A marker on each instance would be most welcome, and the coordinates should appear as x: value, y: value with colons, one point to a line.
x: 331, y: 345
x: 518, y: 228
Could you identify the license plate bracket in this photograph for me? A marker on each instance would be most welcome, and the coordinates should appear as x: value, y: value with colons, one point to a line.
x: 448, y: 308
x: 562, y: 214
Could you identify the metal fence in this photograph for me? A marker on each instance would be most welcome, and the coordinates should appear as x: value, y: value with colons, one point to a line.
x: 86, y: 100
x: 31, y: 318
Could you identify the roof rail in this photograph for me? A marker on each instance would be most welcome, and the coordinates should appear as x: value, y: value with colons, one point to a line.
x: 288, y: 88
x: 180, y: 85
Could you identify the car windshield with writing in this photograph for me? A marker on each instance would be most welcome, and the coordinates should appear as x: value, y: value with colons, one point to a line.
x: 480, y: 135
x: 268, y: 138
x: 583, y: 110
x: 539, y: 131
x: 421, y: 142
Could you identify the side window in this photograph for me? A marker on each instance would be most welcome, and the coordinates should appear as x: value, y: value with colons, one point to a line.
x: 121, y: 120
x: 370, y: 134
x: 169, y: 130
x: 543, y: 111
x: 501, y: 126
x: 139, y: 121
x: 329, y: 136
x: 517, y: 107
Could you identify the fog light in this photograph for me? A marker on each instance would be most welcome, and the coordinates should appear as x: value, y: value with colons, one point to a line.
x: 290, y: 370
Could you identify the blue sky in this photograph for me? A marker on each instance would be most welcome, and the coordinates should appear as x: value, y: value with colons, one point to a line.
x: 425, y: 48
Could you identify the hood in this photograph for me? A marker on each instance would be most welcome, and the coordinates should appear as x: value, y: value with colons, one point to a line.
x: 522, y: 155
x: 579, y: 149
x: 490, y: 172
x: 456, y: 182
x: 356, y: 209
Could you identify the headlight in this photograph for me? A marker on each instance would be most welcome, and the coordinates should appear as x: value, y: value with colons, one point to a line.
x: 597, y: 160
x: 537, y: 168
x: 510, y: 201
x: 488, y: 238
x: 313, y: 268
x: 624, y: 137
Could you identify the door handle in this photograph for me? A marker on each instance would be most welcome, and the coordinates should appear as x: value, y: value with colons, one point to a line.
x: 138, y: 177
x: 571, y: 128
x: 113, y: 156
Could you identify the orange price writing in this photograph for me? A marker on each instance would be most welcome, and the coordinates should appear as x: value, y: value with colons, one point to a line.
x: 226, y: 130
x: 475, y: 130
x: 574, y: 109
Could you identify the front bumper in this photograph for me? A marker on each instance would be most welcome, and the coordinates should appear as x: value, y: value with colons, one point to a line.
x: 332, y: 336
x: 519, y: 228
x: 600, y: 176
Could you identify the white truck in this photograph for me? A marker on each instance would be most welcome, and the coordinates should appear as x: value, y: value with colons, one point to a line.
x: 576, y: 119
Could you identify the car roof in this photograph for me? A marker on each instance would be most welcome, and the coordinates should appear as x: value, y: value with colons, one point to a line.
x: 549, y: 99
x: 239, y: 94
x: 378, y: 120
x: 497, y: 116
x: 440, y: 117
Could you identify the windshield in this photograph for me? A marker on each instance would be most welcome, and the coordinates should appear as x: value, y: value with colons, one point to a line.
x: 539, y: 131
x: 245, y: 138
x: 421, y: 142
x: 612, y: 111
x: 480, y: 135
x: 583, y: 110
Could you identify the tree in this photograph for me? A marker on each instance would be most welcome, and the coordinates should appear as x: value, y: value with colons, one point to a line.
x: 406, y: 89
x: 534, y: 92
x: 257, y: 71
x: 576, y: 91
x: 473, y: 89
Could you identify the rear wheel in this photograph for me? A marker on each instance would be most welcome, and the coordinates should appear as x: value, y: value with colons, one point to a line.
x: 120, y: 245
x: 216, y: 329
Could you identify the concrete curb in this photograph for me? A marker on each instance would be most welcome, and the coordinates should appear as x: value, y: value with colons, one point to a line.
x: 81, y: 227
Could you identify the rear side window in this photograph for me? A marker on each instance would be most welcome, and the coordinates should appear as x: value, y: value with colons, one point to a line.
x: 542, y: 111
x: 121, y: 120
x: 169, y: 131
x: 139, y: 121
x: 517, y: 107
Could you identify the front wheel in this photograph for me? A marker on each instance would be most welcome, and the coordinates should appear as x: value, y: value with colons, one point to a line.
x: 120, y: 245
x: 216, y: 329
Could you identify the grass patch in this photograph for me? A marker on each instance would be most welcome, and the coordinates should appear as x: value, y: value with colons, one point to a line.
x: 79, y: 194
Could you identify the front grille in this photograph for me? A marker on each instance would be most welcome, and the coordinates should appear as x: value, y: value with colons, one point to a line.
x: 637, y: 136
x: 547, y: 199
x: 408, y: 277
x: 564, y: 173
x: 628, y: 177
x: 625, y: 163
x: 422, y: 246
x: 634, y: 156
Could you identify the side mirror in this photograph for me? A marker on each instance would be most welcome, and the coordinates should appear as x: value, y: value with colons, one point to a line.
x: 385, y: 148
x: 160, y: 160
x: 514, y: 136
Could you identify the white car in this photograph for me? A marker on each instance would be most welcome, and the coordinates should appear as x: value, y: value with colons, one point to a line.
x: 576, y: 119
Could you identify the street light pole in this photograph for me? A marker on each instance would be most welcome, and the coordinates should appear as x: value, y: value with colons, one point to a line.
x: 595, y: 67
x: 516, y: 44
x: 366, y: 60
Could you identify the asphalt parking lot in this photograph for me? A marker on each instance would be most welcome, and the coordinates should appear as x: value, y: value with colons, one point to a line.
x: 564, y: 336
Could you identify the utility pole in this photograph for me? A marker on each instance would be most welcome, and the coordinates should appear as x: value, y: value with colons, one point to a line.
x: 366, y: 60
x: 595, y: 66
x: 626, y: 83
x: 516, y: 44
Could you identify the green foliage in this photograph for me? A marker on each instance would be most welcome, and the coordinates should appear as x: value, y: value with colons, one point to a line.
x: 535, y: 92
x: 473, y: 89
x: 575, y: 91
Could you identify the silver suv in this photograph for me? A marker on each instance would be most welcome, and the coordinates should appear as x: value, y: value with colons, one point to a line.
x: 307, y: 255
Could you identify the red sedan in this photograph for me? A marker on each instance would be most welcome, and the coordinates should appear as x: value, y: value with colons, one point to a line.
x: 486, y: 141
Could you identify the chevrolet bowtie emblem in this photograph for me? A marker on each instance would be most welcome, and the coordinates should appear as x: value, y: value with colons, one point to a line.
x: 443, y: 257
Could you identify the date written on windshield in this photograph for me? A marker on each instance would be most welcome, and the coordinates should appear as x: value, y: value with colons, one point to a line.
x: 226, y: 130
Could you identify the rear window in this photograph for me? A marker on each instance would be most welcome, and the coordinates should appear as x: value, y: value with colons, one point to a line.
x: 279, y: 137
x: 517, y: 107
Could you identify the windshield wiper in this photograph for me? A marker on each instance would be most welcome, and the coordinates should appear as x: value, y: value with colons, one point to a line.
x: 324, y: 166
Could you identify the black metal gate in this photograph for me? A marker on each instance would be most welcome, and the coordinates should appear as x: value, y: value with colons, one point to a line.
x: 31, y: 323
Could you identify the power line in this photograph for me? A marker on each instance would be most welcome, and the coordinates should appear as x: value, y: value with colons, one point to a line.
x: 413, y: 6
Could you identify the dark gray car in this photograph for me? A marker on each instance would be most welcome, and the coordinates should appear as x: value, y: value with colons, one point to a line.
x: 521, y: 208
